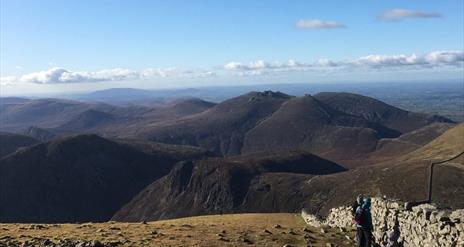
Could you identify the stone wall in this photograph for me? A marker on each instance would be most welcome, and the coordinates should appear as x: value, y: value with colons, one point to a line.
x: 423, y: 225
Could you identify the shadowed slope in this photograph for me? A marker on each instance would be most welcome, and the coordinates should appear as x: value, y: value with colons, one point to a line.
x: 10, y: 142
x: 79, y: 178
x: 253, y: 183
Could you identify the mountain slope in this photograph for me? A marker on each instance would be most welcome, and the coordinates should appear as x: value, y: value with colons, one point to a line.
x: 379, y: 112
x: 261, y: 182
x: 221, y: 128
x: 308, y: 124
x: 405, y: 177
x: 80, y: 178
x: 406, y: 143
x: 45, y: 113
x: 10, y: 142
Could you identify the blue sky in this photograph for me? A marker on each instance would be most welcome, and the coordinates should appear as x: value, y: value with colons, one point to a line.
x: 51, y: 46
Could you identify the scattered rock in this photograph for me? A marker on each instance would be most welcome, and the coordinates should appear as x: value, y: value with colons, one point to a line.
x: 267, y: 231
x: 248, y: 241
x: 223, y: 239
x: 291, y: 232
x: 277, y: 226
x: 96, y: 243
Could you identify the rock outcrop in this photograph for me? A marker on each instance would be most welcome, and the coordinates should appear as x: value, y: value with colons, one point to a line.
x: 422, y: 225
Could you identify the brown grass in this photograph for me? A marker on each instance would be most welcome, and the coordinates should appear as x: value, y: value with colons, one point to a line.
x: 216, y: 230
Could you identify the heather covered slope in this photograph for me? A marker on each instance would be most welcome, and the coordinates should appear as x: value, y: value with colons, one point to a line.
x: 247, y: 183
x: 390, y: 148
x: 221, y: 128
x: 308, y: 124
x: 336, y: 126
x: 80, y: 178
x: 264, y: 182
x: 10, y: 142
x: 378, y: 112
x: 405, y: 177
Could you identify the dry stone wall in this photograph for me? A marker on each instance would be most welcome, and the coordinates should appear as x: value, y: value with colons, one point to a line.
x: 423, y: 225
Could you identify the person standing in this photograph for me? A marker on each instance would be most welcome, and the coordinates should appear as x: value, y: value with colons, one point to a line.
x: 363, y: 221
x: 356, y: 204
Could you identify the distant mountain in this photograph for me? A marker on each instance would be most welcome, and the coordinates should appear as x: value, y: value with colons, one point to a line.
x: 10, y: 142
x: 338, y: 126
x: 86, y: 121
x: 221, y: 128
x: 341, y: 127
x: 260, y: 182
x: 379, y: 112
x: 46, y: 117
x: 307, y: 123
x: 188, y: 106
x: 44, y: 113
x: 176, y: 109
x: 81, y: 178
x: 12, y: 100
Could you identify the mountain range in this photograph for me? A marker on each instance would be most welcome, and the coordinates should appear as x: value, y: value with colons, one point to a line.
x: 73, y: 161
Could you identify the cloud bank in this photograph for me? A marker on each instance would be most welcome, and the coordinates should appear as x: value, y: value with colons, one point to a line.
x: 434, y: 59
x: 318, y: 24
x: 60, y: 75
x: 412, y: 61
x: 401, y: 14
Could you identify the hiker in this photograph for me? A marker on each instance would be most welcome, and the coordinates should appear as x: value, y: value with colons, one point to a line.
x: 356, y: 204
x: 363, y: 221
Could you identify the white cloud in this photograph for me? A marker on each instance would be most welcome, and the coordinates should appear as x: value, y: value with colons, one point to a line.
x: 174, y: 72
x: 7, y: 80
x: 401, y: 14
x: 318, y: 24
x: 59, y: 75
x: 261, y: 64
x: 431, y: 59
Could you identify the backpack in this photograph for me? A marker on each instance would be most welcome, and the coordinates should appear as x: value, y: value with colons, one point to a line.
x: 358, y: 216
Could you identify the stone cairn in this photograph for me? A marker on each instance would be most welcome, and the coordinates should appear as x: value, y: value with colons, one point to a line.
x: 423, y: 225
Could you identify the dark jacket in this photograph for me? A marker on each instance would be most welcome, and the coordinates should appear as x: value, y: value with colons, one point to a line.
x: 366, y: 220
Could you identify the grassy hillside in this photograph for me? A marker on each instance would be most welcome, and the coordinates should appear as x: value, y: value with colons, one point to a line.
x: 216, y: 230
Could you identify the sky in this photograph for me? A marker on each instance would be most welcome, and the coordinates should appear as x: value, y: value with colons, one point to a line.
x: 84, y: 45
